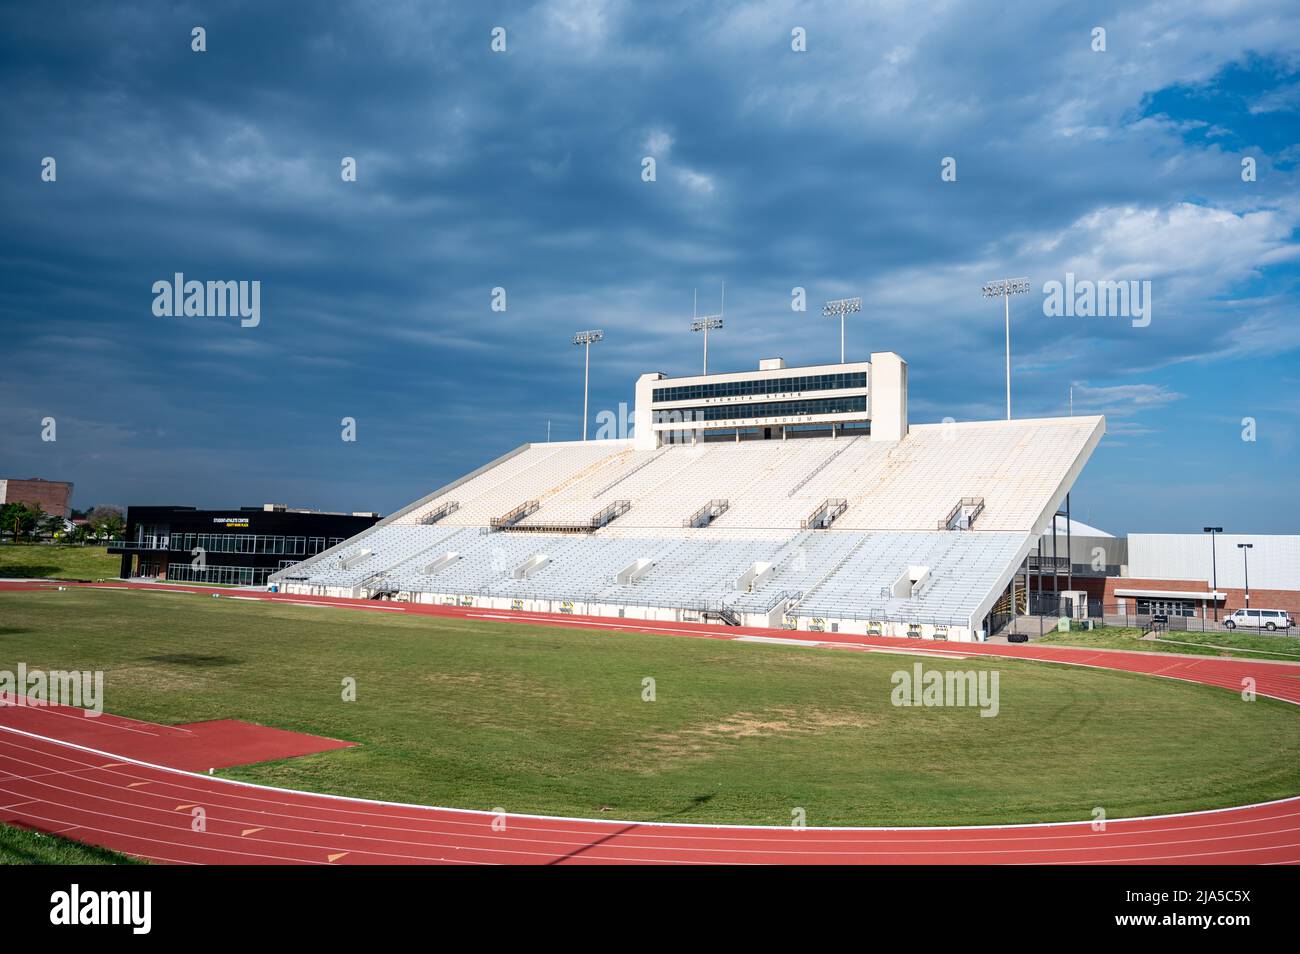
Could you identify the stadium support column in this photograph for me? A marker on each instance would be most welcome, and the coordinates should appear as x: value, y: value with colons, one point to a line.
x: 1026, y: 584
x: 1069, y: 546
x: 887, y: 397
x: 1056, y: 584
x: 1039, y: 575
x: 644, y: 436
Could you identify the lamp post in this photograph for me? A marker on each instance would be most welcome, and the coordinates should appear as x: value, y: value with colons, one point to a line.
x: 1245, y: 567
x: 1214, y: 571
x: 1004, y: 289
x: 842, y: 308
x: 704, y: 324
x: 586, y: 338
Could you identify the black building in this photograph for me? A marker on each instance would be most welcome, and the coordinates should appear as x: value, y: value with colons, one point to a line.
x: 242, y: 546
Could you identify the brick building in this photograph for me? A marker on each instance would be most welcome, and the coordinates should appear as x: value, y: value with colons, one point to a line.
x: 1190, y: 574
x: 52, y: 496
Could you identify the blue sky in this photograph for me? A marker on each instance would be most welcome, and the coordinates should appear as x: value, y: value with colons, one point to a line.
x: 522, y: 170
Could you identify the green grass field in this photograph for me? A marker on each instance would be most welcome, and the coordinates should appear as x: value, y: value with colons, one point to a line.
x: 1237, y: 644
x: 18, y: 846
x: 31, y: 560
x: 482, y: 715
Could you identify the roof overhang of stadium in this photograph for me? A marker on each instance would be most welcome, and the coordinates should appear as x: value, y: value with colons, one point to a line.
x: 1174, y: 594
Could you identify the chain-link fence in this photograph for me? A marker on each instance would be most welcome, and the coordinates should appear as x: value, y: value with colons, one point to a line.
x: 1048, y: 608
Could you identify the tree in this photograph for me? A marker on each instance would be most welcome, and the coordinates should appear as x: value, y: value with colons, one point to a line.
x: 19, y: 518
x: 107, y: 522
x: 51, y: 525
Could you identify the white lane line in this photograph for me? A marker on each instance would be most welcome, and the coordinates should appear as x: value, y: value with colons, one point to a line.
x: 63, y: 715
x: 786, y: 846
x: 158, y: 841
x: 1295, y: 799
x: 697, y: 835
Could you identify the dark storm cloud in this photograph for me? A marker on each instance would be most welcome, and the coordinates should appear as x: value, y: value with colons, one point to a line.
x: 521, y: 170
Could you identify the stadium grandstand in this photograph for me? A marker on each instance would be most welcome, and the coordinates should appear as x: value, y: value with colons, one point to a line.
x: 795, y: 498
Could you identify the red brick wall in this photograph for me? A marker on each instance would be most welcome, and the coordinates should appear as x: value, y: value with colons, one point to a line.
x: 52, y: 496
x: 1288, y: 600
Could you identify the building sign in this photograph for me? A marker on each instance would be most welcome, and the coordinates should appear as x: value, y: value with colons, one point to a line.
x: 232, y: 522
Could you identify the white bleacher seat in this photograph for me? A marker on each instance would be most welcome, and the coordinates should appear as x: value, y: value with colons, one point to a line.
x: 896, y: 495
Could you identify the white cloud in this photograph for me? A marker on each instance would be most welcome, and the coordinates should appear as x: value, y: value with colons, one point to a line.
x: 697, y: 182
x: 659, y: 143
x: 1122, y: 400
x: 580, y: 22
x: 1284, y: 99
x: 1122, y: 403
x: 1207, y: 249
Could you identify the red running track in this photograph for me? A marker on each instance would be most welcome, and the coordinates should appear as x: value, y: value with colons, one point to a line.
x: 101, y: 796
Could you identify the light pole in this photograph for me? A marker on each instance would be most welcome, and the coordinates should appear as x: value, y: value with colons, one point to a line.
x: 586, y: 338
x: 1004, y: 289
x: 706, y: 322
x: 1214, y: 571
x: 842, y: 307
x: 1245, y: 567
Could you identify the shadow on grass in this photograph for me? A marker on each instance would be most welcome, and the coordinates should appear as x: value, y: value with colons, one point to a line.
x: 195, y: 659
x: 27, y: 571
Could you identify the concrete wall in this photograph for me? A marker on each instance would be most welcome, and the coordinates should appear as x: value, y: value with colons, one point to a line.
x: 661, y: 614
x: 888, y: 397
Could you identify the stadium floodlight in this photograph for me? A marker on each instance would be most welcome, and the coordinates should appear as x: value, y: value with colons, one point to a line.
x: 842, y: 308
x: 706, y: 323
x: 586, y: 338
x: 1004, y: 289
x: 1214, y: 569
x: 1245, y: 549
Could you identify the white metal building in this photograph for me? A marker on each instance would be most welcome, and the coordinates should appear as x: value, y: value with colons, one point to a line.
x: 1274, y: 559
